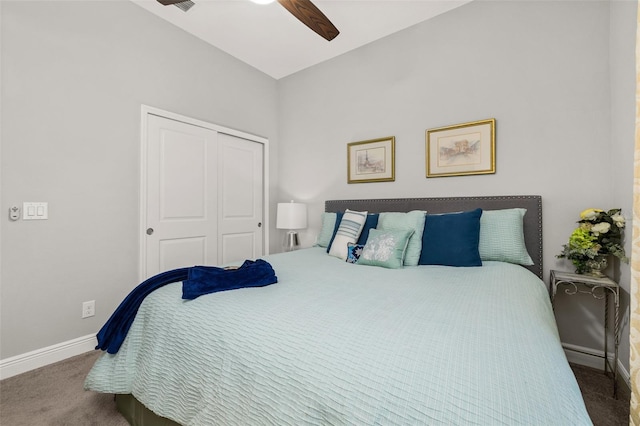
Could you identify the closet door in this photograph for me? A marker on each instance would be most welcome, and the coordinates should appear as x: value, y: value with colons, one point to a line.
x: 181, y: 195
x: 202, y: 194
x: 240, y: 195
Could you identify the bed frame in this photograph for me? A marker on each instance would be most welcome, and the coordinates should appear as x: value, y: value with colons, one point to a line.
x: 532, y: 219
x: 139, y: 415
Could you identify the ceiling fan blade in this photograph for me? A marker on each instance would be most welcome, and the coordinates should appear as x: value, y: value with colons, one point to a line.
x: 183, y: 5
x: 311, y: 16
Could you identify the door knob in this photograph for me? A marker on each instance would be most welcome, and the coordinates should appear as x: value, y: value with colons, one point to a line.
x: 259, y: 224
x: 149, y: 231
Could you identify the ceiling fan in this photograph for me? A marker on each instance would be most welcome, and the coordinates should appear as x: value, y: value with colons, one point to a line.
x: 304, y: 10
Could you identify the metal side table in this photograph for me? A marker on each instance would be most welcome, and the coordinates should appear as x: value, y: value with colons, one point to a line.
x: 599, y: 288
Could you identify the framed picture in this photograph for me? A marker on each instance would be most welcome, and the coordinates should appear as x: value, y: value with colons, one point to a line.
x: 463, y: 149
x: 371, y: 161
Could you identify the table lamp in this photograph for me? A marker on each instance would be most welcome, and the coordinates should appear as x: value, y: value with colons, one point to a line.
x: 291, y: 216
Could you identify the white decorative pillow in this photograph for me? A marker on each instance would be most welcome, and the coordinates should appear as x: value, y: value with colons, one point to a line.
x: 348, y: 232
x: 414, y: 221
x: 502, y: 236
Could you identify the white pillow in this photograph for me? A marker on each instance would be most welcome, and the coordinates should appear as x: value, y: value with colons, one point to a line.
x: 348, y: 232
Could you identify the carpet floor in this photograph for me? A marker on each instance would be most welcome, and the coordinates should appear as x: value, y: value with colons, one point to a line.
x: 597, y: 392
x: 54, y: 395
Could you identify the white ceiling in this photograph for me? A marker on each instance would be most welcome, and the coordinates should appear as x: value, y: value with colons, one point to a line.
x: 272, y: 40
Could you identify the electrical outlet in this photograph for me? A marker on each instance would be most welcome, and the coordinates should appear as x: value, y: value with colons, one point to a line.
x: 88, y: 309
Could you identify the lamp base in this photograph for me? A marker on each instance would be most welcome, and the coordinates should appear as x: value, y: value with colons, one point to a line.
x: 291, y: 241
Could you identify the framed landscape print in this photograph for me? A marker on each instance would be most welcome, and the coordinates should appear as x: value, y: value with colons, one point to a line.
x: 371, y: 161
x: 462, y: 149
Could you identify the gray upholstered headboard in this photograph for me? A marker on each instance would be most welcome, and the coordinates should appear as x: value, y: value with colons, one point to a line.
x: 532, y: 220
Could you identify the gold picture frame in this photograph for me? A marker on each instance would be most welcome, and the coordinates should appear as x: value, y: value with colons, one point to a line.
x: 371, y: 161
x: 462, y: 149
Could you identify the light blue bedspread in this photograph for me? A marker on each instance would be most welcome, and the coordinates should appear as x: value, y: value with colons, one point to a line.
x: 341, y: 344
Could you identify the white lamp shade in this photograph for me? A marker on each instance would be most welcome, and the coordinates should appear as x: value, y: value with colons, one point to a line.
x: 291, y: 216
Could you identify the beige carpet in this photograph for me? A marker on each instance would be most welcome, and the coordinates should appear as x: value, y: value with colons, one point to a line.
x: 597, y: 392
x: 54, y: 395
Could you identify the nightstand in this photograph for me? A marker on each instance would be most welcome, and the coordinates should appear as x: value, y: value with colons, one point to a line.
x: 599, y: 288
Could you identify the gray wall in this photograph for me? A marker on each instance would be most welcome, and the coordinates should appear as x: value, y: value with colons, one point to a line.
x: 558, y: 77
x: 74, y: 76
x: 540, y: 68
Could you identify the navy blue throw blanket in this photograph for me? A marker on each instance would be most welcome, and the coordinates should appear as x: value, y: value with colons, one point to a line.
x: 207, y: 279
x: 196, y: 281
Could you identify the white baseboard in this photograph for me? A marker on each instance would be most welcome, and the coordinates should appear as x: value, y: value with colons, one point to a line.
x: 594, y: 359
x: 40, y: 357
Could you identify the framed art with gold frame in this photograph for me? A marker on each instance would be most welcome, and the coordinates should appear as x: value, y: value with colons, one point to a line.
x: 371, y: 161
x: 462, y: 149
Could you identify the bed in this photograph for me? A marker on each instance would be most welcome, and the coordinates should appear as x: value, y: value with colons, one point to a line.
x: 335, y: 343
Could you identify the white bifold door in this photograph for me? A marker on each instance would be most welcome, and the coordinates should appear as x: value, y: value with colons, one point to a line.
x: 203, y: 196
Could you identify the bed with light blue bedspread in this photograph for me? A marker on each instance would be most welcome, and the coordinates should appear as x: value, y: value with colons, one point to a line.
x: 340, y: 344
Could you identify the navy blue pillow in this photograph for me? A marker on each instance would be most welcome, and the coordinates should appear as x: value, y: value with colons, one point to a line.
x: 369, y: 224
x: 353, y: 252
x: 335, y: 228
x: 451, y: 239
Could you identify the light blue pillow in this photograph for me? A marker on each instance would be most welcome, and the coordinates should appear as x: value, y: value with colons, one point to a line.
x: 502, y: 236
x: 413, y: 220
x: 385, y: 248
x: 326, y: 231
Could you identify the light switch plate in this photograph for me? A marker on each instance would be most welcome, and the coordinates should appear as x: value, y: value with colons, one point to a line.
x: 35, y: 211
